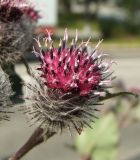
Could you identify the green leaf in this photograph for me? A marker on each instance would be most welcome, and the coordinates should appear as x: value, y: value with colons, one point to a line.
x: 105, y: 154
x: 137, y: 113
x: 101, y: 141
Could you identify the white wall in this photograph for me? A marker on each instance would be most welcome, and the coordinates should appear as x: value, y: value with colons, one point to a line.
x: 48, y: 11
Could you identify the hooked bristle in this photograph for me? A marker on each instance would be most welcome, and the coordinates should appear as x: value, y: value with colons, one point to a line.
x: 5, y: 94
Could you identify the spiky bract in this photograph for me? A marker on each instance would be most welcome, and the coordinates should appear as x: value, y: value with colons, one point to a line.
x: 5, y: 94
x: 15, y: 40
x: 51, y: 108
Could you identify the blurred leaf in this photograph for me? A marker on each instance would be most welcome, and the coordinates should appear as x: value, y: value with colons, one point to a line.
x: 105, y: 154
x: 137, y: 113
x: 131, y: 5
x: 100, y: 142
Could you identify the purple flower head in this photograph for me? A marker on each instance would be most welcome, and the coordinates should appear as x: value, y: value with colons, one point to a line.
x: 71, y: 82
x: 74, y: 69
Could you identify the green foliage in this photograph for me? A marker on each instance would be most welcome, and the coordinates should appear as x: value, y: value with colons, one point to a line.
x: 136, y: 113
x: 71, y: 21
x: 132, y: 21
x: 110, y: 26
x: 131, y: 5
x: 100, y: 143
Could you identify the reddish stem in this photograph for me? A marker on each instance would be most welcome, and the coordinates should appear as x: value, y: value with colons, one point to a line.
x: 86, y: 158
x: 36, y: 138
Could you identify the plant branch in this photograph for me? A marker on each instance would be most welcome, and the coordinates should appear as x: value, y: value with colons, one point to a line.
x: 37, y: 138
x: 113, y: 95
x: 86, y: 158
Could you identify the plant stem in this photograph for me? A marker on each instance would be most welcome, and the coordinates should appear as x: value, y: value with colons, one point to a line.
x: 36, y: 139
x: 23, y: 60
x: 113, y: 95
x: 124, y: 117
x: 86, y: 157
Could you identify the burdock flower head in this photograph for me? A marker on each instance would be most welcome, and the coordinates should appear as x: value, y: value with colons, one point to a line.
x: 17, y: 24
x: 71, y: 82
x: 5, y: 94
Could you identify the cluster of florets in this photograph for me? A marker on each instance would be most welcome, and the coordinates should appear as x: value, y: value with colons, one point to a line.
x: 5, y: 94
x: 72, y: 81
x: 74, y: 69
x: 31, y: 13
x: 11, y: 10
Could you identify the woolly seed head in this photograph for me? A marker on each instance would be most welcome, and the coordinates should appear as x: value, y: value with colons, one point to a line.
x: 14, y: 41
x: 5, y: 94
x: 72, y: 80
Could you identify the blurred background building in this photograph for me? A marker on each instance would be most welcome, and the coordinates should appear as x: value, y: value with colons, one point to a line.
x: 101, y: 18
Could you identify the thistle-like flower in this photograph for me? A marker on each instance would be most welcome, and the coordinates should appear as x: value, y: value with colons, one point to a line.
x: 71, y: 82
x: 16, y: 30
x: 5, y: 94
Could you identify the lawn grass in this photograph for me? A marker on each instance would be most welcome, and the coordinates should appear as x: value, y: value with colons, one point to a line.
x: 131, y: 42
